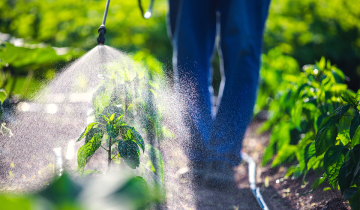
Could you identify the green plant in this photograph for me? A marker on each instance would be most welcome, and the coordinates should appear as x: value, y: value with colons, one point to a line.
x: 310, y: 29
x: 314, y: 126
x: 338, y: 139
x: 111, y: 130
x: 124, y: 97
x: 296, y: 111
x: 274, y: 67
x: 24, y: 69
x: 63, y: 193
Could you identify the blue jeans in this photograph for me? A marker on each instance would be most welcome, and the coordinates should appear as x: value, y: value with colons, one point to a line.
x: 193, y: 28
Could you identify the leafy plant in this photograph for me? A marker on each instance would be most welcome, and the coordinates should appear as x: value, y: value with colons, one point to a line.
x: 272, y: 73
x: 111, y: 130
x: 298, y: 107
x: 125, y: 97
x: 63, y: 193
x: 339, y: 139
x: 314, y: 125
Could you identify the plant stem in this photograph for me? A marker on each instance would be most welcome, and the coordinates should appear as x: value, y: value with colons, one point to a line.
x: 109, y: 154
x: 104, y: 148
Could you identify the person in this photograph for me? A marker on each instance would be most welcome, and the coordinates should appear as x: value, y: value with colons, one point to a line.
x: 216, y: 141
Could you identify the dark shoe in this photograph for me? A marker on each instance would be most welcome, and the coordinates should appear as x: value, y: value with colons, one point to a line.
x: 220, y: 175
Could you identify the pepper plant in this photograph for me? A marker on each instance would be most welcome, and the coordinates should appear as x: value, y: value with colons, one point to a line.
x: 108, y: 131
x: 315, y: 126
x: 123, y: 101
x: 300, y: 104
x: 338, y: 139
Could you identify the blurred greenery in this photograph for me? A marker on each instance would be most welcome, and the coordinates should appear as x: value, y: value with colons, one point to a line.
x: 74, y: 24
x: 310, y: 29
x: 305, y: 30
x: 24, y: 69
x: 65, y: 194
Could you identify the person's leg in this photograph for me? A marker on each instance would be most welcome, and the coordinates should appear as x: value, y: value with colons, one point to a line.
x: 193, y: 44
x: 242, y: 25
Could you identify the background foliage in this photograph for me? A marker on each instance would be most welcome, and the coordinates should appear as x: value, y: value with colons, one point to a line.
x: 305, y: 30
x: 310, y: 29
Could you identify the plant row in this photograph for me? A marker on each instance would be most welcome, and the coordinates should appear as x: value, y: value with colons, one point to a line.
x: 314, y: 123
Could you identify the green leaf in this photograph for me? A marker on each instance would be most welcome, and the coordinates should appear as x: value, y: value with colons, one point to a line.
x: 105, y: 118
x: 350, y: 169
x: 119, y: 118
x: 130, y: 152
x: 309, y: 153
x: 109, y: 111
x: 87, y: 129
x: 62, y: 190
x: 355, y: 200
x: 290, y: 171
x: 333, y: 159
x: 302, y: 87
x: 322, y: 63
x: 112, y: 117
x: 349, y: 193
x: 92, y: 132
x: 340, y: 111
x: 287, y: 152
x: 135, y: 192
x: 2, y: 96
x: 268, y: 154
x: 343, y: 182
x: 315, y: 162
x: 356, y: 139
x: 112, y: 130
x: 318, y: 181
x: 344, y: 129
x: 326, y: 136
x: 124, y: 132
x: 157, y: 161
x: 296, y: 114
x: 138, y: 138
x: 87, y: 150
x: 354, y: 125
x: 349, y: 99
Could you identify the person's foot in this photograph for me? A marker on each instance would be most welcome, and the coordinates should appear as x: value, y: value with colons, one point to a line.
x: 220, y: 175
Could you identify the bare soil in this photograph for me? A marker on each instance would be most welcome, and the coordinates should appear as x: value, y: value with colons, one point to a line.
x: 280, y: 193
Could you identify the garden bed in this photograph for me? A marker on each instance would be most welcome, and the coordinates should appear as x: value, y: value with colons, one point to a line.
x: 280, y: 193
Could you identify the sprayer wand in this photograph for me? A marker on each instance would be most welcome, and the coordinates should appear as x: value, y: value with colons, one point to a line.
x: 102, y: 29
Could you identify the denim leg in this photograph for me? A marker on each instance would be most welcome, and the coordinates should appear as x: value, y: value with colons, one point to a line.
x: 242, y: 24
x: 193, y: 44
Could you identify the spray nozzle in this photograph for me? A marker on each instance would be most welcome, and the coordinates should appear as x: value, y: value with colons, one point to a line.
x: 101, y: 38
